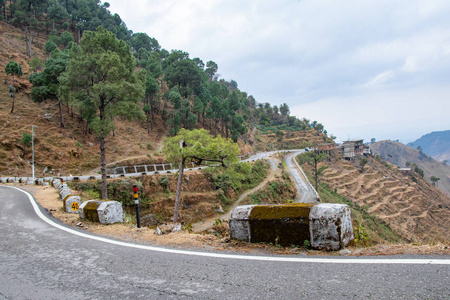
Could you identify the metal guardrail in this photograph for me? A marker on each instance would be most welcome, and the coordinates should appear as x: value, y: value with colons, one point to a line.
x: 117, y: 172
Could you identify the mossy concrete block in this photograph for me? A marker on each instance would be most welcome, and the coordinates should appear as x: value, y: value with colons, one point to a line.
x: 88, y: 210
x: 330, y: 226
x: 65, y: 193
x: 72, y: 204
x: 285, y: 225
x: 105, y: 212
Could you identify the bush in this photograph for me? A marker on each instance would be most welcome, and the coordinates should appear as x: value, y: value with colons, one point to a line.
x: 26, y: 139
x: 239, y: 176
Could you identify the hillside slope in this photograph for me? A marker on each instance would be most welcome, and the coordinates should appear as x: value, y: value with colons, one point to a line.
x: 436, y: 144
x: 415, y: 210
x: 399, y: 154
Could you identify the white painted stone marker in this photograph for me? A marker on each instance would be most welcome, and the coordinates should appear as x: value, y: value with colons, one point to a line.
x: 72, y: 204
x: 330, y: 226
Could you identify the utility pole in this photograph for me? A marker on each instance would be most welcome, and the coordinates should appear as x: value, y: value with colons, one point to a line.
x: 32, y: 148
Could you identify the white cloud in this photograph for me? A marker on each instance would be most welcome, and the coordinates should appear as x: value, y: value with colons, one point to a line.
x: 380, y: 79
x: 302, y: 52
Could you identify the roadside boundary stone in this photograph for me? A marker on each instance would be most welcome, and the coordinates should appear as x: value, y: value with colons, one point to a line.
x: 72, y: 204
x: 65, y: 193
x: 326, y: 226
x: 281, y: 224
x: 330, y: 226
x: 105, y: 212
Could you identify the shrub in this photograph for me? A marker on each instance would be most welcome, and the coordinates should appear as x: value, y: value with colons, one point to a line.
x: 26, y: 139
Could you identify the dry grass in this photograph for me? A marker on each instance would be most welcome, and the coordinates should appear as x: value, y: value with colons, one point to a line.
x: 48, y: 198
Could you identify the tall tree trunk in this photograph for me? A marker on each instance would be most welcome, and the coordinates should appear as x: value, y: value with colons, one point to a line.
x: 179, y: 183
x: 103, y: 167
x: 61, y: 117
x: 12, y: 108
x: 28, y: 40
x: 13, y: 91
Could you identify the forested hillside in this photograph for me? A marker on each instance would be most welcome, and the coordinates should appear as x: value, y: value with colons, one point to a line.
x: 186, y: 92
x: 49, y: 42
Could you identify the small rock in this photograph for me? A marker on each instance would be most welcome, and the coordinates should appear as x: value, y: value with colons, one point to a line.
x: 158, y: 231
x: 358, y: 251
x: 52, y: 209
x: 168, y: 228
x: 177, y: 228
x: 345, y: 252
x: 79, y: 224
x: 220, y: 209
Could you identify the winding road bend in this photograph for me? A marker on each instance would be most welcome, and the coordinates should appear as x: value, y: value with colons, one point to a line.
x: 40, y: 258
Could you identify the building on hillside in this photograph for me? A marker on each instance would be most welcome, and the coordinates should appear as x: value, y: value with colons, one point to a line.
x: 404, y: 170
x: 326, y: 148
x: 350, y: 149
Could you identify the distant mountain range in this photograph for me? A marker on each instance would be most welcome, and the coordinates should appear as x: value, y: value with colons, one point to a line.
x: 402, y: 155
x: 435, y: 144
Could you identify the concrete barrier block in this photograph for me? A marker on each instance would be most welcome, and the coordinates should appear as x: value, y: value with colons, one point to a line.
x: 63, y: 186
x: 56, y: 183
x: 105, y: 212
x: 72, y: 204
x: 285, y: 225
x: 330, y: 226
x: 110, y: 212
x: 240, y: 224
x: 65, y: 193
x: 88, y: 210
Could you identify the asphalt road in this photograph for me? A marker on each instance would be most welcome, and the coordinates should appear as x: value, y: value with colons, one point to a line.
x: 42, y: 259
x: 304, y: 192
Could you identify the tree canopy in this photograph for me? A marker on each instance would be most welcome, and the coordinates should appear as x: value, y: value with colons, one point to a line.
x: 101, y: 76
x: 13, y: 69
x: 197, y: 146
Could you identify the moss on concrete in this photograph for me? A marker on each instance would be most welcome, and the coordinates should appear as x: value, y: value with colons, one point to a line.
x: 90, y: 210
x: 285, y: 225
x: 271, y: 212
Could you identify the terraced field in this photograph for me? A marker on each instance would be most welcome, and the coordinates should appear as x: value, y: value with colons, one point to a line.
x: 417, y: 211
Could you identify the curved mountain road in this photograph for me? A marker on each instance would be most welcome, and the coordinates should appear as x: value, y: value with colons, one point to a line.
x: 41, y: 258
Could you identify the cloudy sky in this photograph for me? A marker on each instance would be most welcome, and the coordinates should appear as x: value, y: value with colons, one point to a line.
x: 364, y: 68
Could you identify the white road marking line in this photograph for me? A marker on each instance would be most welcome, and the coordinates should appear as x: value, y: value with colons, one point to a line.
x: 234, y: 256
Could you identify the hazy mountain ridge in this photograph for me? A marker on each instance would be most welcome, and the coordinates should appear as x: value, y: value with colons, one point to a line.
x: 400, y: 154
x: 435, y: 144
